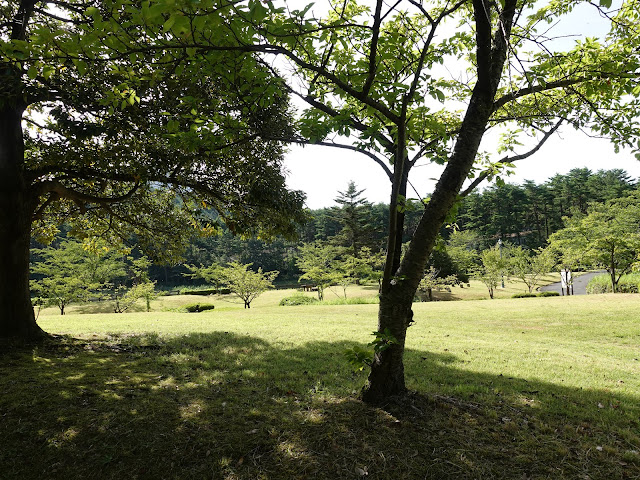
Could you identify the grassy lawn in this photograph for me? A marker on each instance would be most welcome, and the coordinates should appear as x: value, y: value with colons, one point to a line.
x: 508, y: 389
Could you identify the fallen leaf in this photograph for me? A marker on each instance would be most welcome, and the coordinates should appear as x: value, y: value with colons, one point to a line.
x: 362, y: 471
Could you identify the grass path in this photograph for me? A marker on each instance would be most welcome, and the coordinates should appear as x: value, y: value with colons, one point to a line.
x: 505, y: 389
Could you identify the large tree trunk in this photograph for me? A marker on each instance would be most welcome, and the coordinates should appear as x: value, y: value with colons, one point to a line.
x: 386, y: 378
x: 16, y: 209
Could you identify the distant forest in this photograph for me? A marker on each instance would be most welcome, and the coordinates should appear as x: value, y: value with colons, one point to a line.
x: 523, y: 214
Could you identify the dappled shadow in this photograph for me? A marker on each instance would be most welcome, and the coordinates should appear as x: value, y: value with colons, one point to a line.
x: 223, y: 405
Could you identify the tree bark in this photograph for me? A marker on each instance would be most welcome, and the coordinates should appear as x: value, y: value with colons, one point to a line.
x: 386, y: 378
x: 17, y: 319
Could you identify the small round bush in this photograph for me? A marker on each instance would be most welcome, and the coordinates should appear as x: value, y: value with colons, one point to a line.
x: 549, y: 294
x: 198, y: 307
x: 297, y: 300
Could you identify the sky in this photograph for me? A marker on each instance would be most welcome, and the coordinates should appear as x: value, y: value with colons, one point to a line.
x: 321, y: 172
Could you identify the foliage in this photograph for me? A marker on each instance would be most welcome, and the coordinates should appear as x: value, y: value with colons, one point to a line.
x: 524, y: 295
x: 318, y: 262
x: 355, y: 220
x: 629, y: 283
x: 245, y: 283
x: 359, y: 358
x: 432, y: 281
x: 495, y: 265
x: 203, y: 130
x: 66, y: 274
x: 297, y: 299
x: 373, y: 83
x: 147, y: 142
x: 531, y: 212
x: 200, y: 291
x: 125, y: 298
x: 608, y: 236
x: 528, y: 266
x: 548, y: 294
x: 198, y: 307
x: 462, y: 247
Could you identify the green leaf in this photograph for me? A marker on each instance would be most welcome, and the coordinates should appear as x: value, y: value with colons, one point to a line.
x: 82, y: 67
x: 169, y: 23
x: 32, y: 72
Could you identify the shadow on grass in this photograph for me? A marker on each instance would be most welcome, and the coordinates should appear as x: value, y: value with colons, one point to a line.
x: 222, y: 405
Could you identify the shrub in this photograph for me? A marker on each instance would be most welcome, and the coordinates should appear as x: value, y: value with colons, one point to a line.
x: 198, y: 307
x: 205, y: 291
x: 549, y: 294
x: 599, y: 284
x: 297, y: 300
x: 524, y: 295
x: 602, y: 284
x: 352, y: 301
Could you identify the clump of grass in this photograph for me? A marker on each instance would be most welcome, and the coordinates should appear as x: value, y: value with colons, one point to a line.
x: 298, y: 299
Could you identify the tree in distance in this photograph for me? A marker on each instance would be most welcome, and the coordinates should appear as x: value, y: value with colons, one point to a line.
x: 433, y: 281
x: 528, y: 267
x: 354, y: 215
x: 77, y: 271
x: 65, y: 275
x: 246, y: 284
x: 607, y: 237
x: 495, y: 266
x: 318, y: 263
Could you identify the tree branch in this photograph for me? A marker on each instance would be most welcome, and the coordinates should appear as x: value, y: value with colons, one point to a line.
x: 79, y: 198
x: 515, y: 158
x: 377, y: 20
x: 379, y: 161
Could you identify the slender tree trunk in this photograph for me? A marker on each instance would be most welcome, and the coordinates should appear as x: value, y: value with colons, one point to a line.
x: 386, y: 378
x: 17, y: 319
x: 614, y: 284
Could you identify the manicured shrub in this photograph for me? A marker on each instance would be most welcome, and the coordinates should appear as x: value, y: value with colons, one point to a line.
x: 353, y: 301
x: 198, y: 307
x: 297, y: 300
x: 549, y: 294
x: 524, y: 295
x: 205, y: 291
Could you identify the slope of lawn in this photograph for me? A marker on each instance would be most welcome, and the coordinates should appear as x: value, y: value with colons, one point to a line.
x: 505, y: 389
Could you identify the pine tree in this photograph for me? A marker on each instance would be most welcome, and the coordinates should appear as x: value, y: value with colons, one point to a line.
x: 354, y: 215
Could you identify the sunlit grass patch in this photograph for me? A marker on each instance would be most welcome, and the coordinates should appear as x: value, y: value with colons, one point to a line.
x: 504, y: 390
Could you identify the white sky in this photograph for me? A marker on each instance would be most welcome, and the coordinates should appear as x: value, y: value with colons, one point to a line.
x: 322, y: 171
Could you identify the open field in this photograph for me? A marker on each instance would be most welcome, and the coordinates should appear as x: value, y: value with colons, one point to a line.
x: 473, y: 291
x: 506, y: 389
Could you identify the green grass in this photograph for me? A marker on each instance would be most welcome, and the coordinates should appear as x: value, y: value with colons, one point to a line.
x: 356, y: 294
x: 505, y: 389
